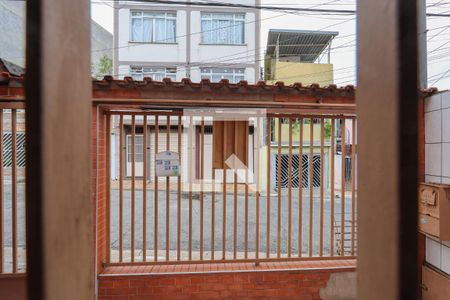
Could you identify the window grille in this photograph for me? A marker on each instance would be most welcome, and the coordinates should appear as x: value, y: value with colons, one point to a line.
x: 295, y: 170
x: 20, y: 149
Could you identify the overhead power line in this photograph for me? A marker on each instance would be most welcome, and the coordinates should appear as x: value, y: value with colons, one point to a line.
x: 265, y: 7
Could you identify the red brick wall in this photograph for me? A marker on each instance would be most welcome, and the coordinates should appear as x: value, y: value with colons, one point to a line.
x: 242, y: 285
x: 100, y: 167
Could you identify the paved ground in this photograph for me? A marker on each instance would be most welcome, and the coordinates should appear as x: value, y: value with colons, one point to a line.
x: 240, y: 246
x: 207, y: 222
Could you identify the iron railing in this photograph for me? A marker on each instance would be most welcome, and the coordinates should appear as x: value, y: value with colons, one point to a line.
x: 12, y: 189
x: 236, y: 215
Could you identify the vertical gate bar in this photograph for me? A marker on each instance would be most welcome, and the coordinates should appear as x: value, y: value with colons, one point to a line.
x: 213, y: 203
x: 246, y: 189
x: 156, y: 189
x: 224, y: 199
x: 190, y: 168
x: 343, y: 152
x: 167, y: 192
x: 235, y: 194
x: 121, y: 166
x: 258, y: 145
x: 133, y: 184
x: 235, y: 215
x: 300, y: 190
x: 224, y: 213
x: 213, y: 211
x: 322, y: 141
x: 311, y: 183
x: 2, y: 206
x: 290, y: 188
x: 269, y: 121
x: 202, y: 170
x: 179, y: 194
x: 279, y: 189
x: 14, y: 188
x: 353, y: 182
x: 144, y: 190
x: 108, y: 187
x: 332, y: 150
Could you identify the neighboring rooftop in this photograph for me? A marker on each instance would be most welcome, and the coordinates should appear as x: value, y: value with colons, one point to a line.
x: 306, y: 44
x: 11, y: 68
x: 237, y: 93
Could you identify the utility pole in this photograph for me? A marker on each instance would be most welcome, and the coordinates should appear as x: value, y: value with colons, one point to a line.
x: 188, y: 40
x: 422, y: 43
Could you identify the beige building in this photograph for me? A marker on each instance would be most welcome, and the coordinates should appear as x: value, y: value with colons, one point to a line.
x: 299, y: 56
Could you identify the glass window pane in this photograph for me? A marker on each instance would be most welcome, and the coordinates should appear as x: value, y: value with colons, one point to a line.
x: 129, y: 148
x: 216, y: 78
x: 137, y: 76
x: 239, y: 78
x: 136, y: 29
x: 171, y: 31
x: 158, y: 76
x: 207, y: 32
x: 160, y: 31
x: 238, y: 33
x: 222, y: 16
x: 221, y: 70
x: 148, y: 30
x: 224, y: 34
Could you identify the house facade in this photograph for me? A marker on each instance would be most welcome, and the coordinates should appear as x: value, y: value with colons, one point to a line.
x: 299, y: 56
x: 183, y: 41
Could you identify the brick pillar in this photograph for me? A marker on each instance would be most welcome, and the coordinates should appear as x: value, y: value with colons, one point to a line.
x: 99, y: 183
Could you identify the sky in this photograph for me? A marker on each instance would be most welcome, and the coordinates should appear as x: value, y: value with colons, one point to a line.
x: 343, y: 53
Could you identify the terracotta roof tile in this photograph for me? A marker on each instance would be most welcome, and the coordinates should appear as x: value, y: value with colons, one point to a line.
x: 205, y: 85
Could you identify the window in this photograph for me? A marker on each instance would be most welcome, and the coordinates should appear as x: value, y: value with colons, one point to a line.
x: 218, y: 28
x: 20, y: 149
x: 153, y: 27
x: 156, y: 73
x: 216, y: 74
x: 138, y: 148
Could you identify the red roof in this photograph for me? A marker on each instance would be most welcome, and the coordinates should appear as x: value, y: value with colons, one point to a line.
x: 127, y: 88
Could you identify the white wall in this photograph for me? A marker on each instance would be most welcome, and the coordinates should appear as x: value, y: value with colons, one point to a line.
x: 437, y: 166
x: 175, y: 55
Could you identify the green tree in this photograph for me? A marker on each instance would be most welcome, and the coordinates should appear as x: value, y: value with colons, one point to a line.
x: 103, y: 67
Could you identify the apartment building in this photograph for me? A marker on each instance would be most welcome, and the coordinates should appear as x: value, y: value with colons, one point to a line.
x: 187, y: 41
